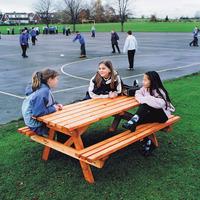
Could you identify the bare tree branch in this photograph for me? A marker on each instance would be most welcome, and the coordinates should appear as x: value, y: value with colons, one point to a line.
x: 73, y: 8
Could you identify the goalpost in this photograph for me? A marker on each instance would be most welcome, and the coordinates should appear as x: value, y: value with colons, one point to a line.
x: 88, y: 21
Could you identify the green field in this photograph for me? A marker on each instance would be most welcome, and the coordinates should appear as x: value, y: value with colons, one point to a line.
x: 136, y: 26
x: 171, y: 173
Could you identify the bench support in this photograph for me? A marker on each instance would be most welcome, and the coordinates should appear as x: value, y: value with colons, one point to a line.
x: 46, y: 151
x: 87, y: 172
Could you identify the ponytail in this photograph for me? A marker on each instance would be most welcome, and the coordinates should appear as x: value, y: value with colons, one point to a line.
x: 36, y: 81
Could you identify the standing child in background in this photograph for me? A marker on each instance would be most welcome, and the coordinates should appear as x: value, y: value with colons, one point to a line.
x: 24, y: 43
x: 155, y: 106
x: 40, y: 100
x: 106, y: 83
x: 130, y: 48
x: 195, y: 37
x: 33, y: 35
x: 82, y: 43
x: 114, y: 41
x: 93, y: 31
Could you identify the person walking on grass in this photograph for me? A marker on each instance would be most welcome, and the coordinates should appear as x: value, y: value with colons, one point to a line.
x: 114, y: 41
x: 130, y: 48
x: 82, y: 43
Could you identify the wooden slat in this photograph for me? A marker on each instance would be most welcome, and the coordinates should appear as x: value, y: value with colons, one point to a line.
x: 81, y: 105
x: 132, y: 139
x: 111, y: 139
x: 89, y: 113
x: 63, y: 149
x: 87, y: 110
x: 92, y: 119
x: 26, y: 131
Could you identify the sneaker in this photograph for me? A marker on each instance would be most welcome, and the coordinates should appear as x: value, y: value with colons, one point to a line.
x: 129, y: 126
x: 147, y: 147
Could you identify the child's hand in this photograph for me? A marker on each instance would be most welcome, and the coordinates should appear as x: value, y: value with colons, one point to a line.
x: 112, y: 95
x: 60, y: 106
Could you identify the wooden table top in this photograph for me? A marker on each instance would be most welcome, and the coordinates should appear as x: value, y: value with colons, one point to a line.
x: 84, y: 113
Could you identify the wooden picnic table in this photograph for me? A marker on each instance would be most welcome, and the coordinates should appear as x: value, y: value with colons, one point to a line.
x: 74, y: 120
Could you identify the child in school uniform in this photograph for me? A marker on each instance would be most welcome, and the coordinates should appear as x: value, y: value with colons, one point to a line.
x: 155, y: 106
x: 40, y: 100
x: 106, y: 83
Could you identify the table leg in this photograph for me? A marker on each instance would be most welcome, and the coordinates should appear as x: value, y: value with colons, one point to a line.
x: 87, y: 172
x: 117, y: 118
x: 46, y: 151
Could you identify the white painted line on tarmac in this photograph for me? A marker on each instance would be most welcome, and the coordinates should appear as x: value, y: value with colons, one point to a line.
x: 83, y: 86
x: 164, y: 70
x: 12, y: 95
x: 69, y: 89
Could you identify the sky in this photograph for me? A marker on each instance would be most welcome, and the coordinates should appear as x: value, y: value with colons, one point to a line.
x: 161, y: 8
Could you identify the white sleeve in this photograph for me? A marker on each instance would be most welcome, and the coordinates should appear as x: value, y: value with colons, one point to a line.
x: 119, y: 85
x: 125, y: 46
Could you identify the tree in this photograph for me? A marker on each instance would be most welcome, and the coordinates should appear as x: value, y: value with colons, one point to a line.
x: 45, y: 8
x: 98, y: 11
x: 73, y: 8
x: 123, y: 11
x: 110, y: 14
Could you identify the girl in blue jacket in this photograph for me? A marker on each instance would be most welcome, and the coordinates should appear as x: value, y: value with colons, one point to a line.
x: 40, y: 100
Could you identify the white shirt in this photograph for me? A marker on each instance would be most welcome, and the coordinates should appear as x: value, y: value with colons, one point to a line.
x: 130, y: 43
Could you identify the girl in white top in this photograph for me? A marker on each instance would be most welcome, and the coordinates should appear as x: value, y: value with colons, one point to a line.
x: 106, y: 83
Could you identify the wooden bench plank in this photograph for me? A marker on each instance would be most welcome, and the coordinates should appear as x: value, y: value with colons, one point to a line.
x: 121, y: 140
x: 63, y: 149
x: 98, y: 146
x: 130, y: 140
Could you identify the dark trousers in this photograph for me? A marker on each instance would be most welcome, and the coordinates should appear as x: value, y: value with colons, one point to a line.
x: 148, y: 114
x: 113, y: 47
x: 83, y: 52
x: 33, y: 38
x: 24, y: 48
x: 194, y: 42
x: 131, y: 54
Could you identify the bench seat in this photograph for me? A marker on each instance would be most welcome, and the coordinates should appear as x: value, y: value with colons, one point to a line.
x: 103, y: 149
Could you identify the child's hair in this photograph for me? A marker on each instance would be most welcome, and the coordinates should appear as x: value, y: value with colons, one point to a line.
x: 98, y: 77
x: 42, y: 77
x: 156, y: 84
x: 129, y: 32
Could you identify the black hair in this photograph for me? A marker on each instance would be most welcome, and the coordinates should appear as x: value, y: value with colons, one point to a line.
x: 156, y: 84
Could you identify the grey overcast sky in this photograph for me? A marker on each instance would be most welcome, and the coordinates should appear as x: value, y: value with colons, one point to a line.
x: 172, y: 8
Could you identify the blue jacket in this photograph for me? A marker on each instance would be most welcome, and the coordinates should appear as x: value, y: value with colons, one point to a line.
x: 38, y: 103
x: 80, y: 38
x: 23, y: 39
x: 33, y: 33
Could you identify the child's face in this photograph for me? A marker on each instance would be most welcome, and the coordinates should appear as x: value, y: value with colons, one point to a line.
x: 146, y: 82
x: 53, y: 82
x: 104, y: 71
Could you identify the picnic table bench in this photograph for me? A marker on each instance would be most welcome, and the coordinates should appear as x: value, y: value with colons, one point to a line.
x: 75, y: 119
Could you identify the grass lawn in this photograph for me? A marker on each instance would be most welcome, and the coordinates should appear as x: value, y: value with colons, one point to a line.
x: 137, y: 26
x: 171, y: 173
